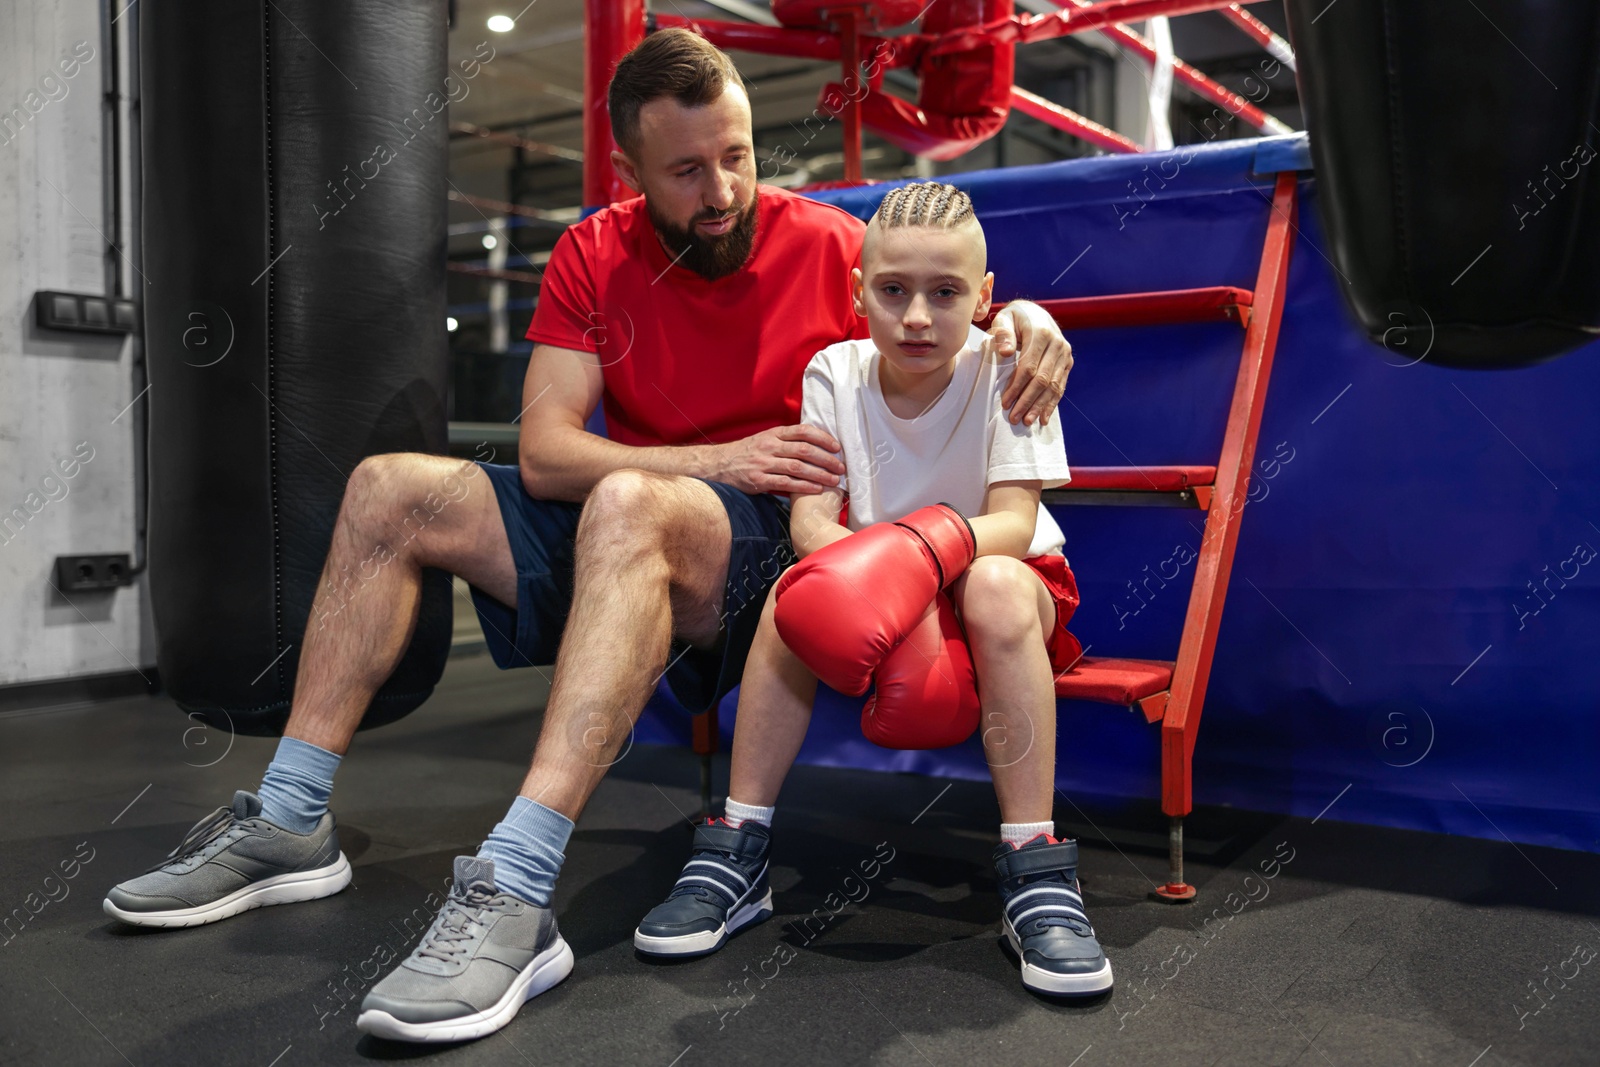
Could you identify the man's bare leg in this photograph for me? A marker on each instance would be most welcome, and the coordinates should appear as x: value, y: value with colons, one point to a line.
x: 412, y: 511
x: 400, y: 513
x: 651, y: 559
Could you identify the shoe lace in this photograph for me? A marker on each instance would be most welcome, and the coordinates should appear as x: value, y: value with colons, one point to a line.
x: 207, y: 831
x: 464, y: 910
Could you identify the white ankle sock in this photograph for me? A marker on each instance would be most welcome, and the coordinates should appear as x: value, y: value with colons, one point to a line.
x: 1017, y: 834
x: 736, y: 813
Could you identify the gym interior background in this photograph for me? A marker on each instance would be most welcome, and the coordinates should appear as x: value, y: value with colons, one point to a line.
x: 1400, y: 724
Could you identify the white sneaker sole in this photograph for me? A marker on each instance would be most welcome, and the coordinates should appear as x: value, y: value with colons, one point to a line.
x: 1042, y: 981
x: 546, y: 970
x: 281, y: 889
x: 710, y: 940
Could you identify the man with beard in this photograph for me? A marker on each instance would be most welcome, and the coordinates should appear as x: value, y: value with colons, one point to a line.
x: 692, y: 313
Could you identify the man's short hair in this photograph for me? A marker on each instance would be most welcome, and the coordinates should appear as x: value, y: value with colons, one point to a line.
x: 677, y: 63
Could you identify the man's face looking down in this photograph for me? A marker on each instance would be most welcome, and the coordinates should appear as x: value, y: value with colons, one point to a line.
x: 696, y: 168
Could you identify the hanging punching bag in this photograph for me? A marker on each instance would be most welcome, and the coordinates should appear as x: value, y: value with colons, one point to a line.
x: 1456, y: 168
x: 294, y: 228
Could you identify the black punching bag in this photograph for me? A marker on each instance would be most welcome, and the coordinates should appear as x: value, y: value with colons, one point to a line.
x: 1456, y: 159
x: 294, y: 244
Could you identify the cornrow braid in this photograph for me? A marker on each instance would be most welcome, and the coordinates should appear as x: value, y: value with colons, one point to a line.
x: 925, y: 204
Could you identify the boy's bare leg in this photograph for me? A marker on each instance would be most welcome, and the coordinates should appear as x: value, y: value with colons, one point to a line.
x: 724, y: 888
x: 401, y: 512
x: 1007, y: 611
x: 775, y: 697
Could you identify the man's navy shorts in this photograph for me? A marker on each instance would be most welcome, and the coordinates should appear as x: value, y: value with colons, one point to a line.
x: 542, y: 533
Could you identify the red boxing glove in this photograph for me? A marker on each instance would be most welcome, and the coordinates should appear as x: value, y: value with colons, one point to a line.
x: 844, y: 607
x: 927, y: 694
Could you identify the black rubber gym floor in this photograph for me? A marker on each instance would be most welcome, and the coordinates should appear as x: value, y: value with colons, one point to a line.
x: 1328, y: 943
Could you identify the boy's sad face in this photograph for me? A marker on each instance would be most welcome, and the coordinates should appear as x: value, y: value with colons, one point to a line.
x: 921, y: 288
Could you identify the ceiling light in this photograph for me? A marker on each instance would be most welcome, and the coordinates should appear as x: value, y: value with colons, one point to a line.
x: 450, y: 324
x: 489, y: 240
x: 501, y: 23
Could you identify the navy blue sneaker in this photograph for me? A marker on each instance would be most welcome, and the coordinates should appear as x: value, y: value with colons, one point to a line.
x: 1045, y: 921
x: 722, y: 890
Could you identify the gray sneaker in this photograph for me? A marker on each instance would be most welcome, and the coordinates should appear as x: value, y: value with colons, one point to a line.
x: 486, y: 954
x: 231, y: 861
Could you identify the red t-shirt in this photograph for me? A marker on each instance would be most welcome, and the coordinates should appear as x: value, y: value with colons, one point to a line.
x: 686, y: 360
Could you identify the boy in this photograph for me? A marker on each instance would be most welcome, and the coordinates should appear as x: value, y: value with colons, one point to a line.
x: 917, y: 411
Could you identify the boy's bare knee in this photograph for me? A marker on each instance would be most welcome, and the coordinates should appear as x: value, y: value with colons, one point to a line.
x: 998, y: 601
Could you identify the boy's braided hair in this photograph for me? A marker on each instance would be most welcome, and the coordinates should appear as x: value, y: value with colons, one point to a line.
x: 925, y: 204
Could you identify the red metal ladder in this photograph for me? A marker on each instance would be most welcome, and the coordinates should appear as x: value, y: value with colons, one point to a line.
x: 1172, y: 692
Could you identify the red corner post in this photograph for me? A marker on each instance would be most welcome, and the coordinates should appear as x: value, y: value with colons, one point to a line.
x: 610, y: 29
x: 850, y: 61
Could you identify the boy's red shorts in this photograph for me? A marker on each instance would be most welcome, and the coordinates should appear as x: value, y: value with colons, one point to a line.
x: 1065, y: 649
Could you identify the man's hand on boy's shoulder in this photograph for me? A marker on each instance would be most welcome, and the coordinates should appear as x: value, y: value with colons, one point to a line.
x: 1044, y: 359
x: 784, y: 459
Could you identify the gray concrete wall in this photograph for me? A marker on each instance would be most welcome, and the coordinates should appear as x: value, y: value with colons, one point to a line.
x: 63, y: 396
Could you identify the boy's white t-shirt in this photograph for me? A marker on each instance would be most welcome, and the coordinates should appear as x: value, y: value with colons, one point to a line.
x: 950, y: 453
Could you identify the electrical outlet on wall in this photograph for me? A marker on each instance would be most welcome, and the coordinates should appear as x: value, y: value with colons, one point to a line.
x: 87, y: 573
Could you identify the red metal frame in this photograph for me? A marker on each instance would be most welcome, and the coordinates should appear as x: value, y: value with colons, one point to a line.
x: 1222, y: 491
x: 1159, y: 479
x: 1072, y: 122
x: 850, y: 61
x: 746, y: 37
x: 1216, y: 303
x: 704, y: 740
x: 1260, y: 33
x: 1215, y: 565
x: 1026, y: 29
x: 845, y: 44
x: 611, y: 28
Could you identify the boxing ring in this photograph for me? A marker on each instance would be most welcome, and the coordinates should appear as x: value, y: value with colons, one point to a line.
x: 1410, y: 622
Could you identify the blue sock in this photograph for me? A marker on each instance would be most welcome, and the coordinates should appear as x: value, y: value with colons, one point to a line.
x: 294, y: 794
x: 527, y: 848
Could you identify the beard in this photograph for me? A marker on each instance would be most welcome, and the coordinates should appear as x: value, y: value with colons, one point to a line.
x: 710, y: 257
